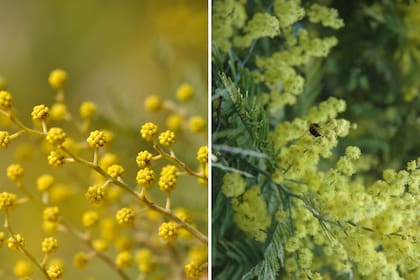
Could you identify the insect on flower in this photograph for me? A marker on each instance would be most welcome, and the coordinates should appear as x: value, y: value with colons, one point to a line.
x: 314, y: 129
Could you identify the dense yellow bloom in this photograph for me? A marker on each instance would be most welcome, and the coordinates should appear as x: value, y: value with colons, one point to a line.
x: 22, y: 269
x: 153, y: 103
x: 15, y: 172
x: 168, y: 231
x: 100, y: 244
x: 202, y: 154
x: 167, y: 138
x: 4, y: 139
x: 125, y: 216
x: 7, y: 200
x: 57, y: 78
x: 58, y: 111
x: 95, y: 194
x: 233, y: 184
x: 40, y: 112
x: 90, y: 218
x: 49, y: 245
x: 185, y: 92
x: 56, y: 136
x: 193, y: 270
x: 115, y: 171
x: 167, y: 179
x: 56, y: 158
x: 51, y: 214
x: 55, y: 272
x: 80, y: 260
x: 44, y: 182
x: 174, y: 122
x: 16, y: 242
x: 145, y: 177
x: 143, y: 159
x: 148, y: 131
x: 5, y: 100
x: 87, y: 110
x: 97, y: 139
x: 197, y: 124
x: 144, y: 260
x: 124, y: 259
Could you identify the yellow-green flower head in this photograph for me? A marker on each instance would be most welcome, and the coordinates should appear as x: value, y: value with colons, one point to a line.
x: 17, y: 242
x: 49, y: 245
x: 5, y: 100
x: 44, y: 182
x: 7, y: 200
x: 167, y: 138
x: 95, y: 194
x: 167, y: 179
x: 174, y: 122
x: 353, y: 152
x: 4, y: 139
x: 115, y: 171
x: 144, y: 259
x: 58, y: 111
x: 411, y: 165
x: 97, y: 139
x: 100, y: 245
x: 168, y: 231
x: 80, y: 260
x: 124, y: 259
x: 125, y: 216
x: 193, y: 270
x: 22, y: 269
x: 145, y: 177
x: 90, y: 219
x: 197, y: 124
x: 40, y: 112
x: 51, y: 214
x: 56, y: 136
x: 153, y: 103
x: 233, y: 185
x: 56, y: 158
x: 143, y: 159
x: 55, y: 272
x: 15, y: 172
x: 202, y: 154
x: 185, y: 92
x: 87, y: 110
x: 148, y: 131
x: 57, y: 78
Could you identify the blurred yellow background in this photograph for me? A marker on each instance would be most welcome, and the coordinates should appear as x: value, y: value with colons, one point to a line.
x: 116, y: 53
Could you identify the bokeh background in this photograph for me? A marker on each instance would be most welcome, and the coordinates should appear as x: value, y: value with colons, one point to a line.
x: 116, y: 53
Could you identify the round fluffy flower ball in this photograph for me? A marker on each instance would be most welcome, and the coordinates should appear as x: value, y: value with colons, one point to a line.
x: 167, y: 179
x: 145, y: 177
x: 5, y: 100
x: 7, y: 200
x: 185, y: 92
x: 56, y: 136
x: 115, y: 171
x: 143, y: 159
x: 148, y: 131
x: 39, y: 112
x: 153, y: 103
x: 125, y: 216
x: 167, y: 138
x: 57, y: 78
x: 197, y: 124
x: 49, y: 245
x: 22, y: 269
x: 87, y: 110
x: 202, y: 154
x: 15, y: 172
x: 168, y: 231
x: 97, y: 139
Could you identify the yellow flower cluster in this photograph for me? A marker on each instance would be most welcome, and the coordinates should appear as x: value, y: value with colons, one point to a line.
x: 7, y: 200
x: 168, y: 231
x: 125, y: 216
x: 167, y: 179
x: 49, y: 245
x: 97, y: 139
x: 95, y: 194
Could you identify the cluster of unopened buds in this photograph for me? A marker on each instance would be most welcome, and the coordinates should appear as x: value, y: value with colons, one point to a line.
x: 110, y: 210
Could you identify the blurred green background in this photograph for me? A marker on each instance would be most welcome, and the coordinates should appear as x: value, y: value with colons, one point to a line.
x: 116, y: 53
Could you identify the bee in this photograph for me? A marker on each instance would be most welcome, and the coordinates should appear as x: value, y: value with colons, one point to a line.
x: 314, y: 129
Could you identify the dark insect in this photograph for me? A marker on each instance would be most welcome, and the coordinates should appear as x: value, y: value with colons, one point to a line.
x: 314, y: 129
